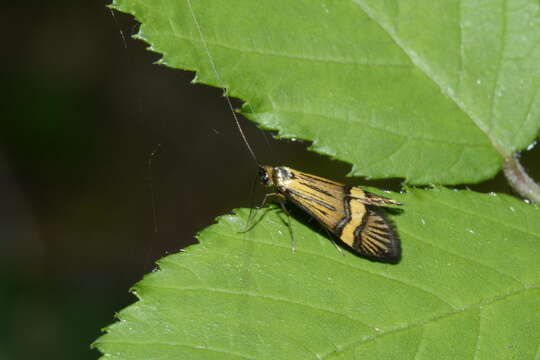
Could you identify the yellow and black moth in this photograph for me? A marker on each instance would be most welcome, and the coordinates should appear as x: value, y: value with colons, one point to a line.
x: 350, y: 213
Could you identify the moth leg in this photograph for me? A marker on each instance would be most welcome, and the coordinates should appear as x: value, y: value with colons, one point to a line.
x: 253, y: 212
x: 334, y: 242
x: 282, y: 199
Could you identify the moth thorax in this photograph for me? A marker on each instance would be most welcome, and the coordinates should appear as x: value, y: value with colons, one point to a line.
x: 282, y: 176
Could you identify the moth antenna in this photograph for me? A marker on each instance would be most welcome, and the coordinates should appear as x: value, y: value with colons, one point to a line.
x: 119, y: 29
x: 221, y: 83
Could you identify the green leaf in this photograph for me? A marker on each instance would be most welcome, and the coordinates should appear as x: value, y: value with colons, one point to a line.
x: 467, y: 287
x: 431, y: 91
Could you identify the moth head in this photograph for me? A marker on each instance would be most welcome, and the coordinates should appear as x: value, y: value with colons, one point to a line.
x: 265, y: 175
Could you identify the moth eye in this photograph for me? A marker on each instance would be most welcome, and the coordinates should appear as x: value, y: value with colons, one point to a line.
x: 263, y: 176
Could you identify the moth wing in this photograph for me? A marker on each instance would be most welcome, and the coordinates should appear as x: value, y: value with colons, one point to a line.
x: 377, y: 238
x: 368, y: 198
x: 349, y: 212
x: 322, y: 203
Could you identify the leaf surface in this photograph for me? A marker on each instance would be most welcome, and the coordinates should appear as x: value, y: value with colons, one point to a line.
x: 467, y: 287
x: 434, y: 92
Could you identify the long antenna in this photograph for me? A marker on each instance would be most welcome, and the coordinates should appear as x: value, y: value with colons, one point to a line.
x: 221, y: 82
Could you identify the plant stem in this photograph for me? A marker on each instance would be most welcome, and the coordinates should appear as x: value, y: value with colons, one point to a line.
x: 520, y: 181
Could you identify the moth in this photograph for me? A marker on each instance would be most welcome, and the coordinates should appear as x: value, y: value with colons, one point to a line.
x: 350, y: 213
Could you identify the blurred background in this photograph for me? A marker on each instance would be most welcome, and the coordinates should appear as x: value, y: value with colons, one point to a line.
x: 108, y: 163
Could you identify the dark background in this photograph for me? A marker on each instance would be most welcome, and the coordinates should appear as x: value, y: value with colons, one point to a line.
x: 85, y: 208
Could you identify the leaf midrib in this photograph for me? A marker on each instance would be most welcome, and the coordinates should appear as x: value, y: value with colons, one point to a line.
x: 422, y: 66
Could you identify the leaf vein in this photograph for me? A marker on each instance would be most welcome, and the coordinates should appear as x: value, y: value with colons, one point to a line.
x: 170, y: 343
x: 266, y: 52
x: 371, y: 126
x: 497, y: 221
x: 319, y: 255
x: 419, y: 343
x: 262, y: 296
x: 500, y: 57
x: 178, y: 266
x: 472, y: 261
x: 427, y: 321
x: 527, y: 116
x: 479, y: 331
